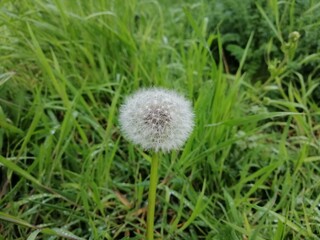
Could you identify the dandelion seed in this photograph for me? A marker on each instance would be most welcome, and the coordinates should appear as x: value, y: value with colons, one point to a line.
x: 157, y: 119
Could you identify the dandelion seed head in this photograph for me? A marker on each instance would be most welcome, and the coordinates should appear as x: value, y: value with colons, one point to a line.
x: 157, y: 119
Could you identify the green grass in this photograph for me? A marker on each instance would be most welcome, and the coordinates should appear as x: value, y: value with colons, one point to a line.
x: 250, y: 169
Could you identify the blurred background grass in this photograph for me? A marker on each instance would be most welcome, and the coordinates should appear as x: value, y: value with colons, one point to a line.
x: 251, y: 167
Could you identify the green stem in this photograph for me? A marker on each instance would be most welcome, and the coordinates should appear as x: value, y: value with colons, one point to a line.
x: 152, y: 195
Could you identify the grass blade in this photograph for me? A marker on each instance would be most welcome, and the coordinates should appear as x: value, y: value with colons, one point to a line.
x: 15, y: 220
x: 14, y: 167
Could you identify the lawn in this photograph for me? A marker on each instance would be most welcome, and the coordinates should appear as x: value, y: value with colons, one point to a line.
x: 250, y: 169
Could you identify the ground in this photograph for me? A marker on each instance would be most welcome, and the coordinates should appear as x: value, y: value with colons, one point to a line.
x: 250, y: 169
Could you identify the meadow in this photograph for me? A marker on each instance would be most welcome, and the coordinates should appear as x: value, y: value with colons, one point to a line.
x: 251, y: 167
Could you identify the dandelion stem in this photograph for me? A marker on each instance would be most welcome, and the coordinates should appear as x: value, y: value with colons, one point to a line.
x: 152, y: 195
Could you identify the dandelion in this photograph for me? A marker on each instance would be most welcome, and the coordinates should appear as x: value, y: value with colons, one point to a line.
x: 158, y: 120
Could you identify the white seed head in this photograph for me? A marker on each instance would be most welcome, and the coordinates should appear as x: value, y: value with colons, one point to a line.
x: 157, y: 119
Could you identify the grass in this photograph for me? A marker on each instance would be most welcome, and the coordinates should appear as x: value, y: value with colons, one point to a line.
x: 250, y: 170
